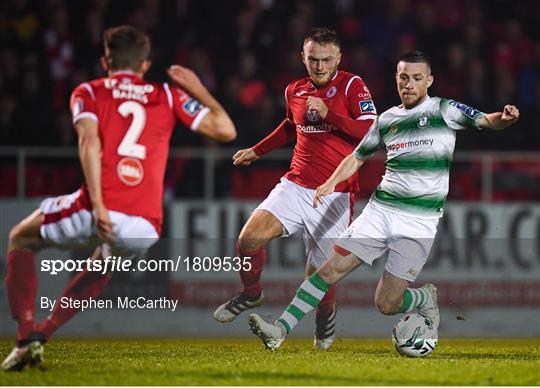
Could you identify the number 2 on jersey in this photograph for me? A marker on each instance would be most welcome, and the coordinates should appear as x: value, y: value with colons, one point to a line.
x: 128, y: 146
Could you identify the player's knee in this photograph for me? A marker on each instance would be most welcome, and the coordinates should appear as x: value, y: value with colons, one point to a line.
x: 249, y: 244
x: 386, y: 306
x: 20, y: 237
x: 17, y: 233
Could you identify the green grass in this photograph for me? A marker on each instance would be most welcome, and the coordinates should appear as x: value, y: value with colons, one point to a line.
x: 245, y: 362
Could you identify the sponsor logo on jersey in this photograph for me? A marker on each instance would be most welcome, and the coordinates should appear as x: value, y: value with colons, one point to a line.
x: 331, y: 92
x: 367, y: 106
x: 366, y: 93
x: 191, y: 106
x: 467, y: 110
x: 312, y: 116
x: 408, y: 144
x: 130, y: 171
x: 423, y: 122
x: 298, y: 94
x: 321, y: 127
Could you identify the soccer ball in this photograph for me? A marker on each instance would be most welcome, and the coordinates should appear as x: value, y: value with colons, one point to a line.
x: 414, y: 335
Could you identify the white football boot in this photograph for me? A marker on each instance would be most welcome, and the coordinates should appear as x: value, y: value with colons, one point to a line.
x: 229, y: 310
x: 20, y: 356
x: 271, y: 334
x: 430, y: 308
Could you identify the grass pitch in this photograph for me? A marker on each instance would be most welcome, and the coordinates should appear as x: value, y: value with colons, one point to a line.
x: 246, y: 362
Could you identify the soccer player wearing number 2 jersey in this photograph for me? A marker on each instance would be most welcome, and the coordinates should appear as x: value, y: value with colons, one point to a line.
x: 402, y: 215
x: 328, y: 113
x: 124, y: 125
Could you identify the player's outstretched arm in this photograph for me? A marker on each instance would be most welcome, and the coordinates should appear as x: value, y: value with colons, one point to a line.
x: 500, y: 120
x: 90, y: 156
x: 284, y: 133
x: 346, y: 168
x: 216, y: 124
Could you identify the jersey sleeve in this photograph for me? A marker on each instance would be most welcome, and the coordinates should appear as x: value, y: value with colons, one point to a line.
x: 288, y: 112
x: 371, y: 143
x: 359, y: 98
x: 188, y: 110
x: 83, y: 103
x: 460, y: 116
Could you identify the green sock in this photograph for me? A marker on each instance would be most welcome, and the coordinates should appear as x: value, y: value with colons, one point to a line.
x: 308, y: 296
x: 412, y: 299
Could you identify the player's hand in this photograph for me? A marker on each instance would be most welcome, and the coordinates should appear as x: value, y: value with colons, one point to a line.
x: 104, y: 224
x: 322, y: 190
x: 245, y: 157
x: 318, y: 105
x: 185, y: 79
x: 510, y: 113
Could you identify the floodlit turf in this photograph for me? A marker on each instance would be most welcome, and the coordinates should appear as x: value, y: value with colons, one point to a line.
x: 245, y: 362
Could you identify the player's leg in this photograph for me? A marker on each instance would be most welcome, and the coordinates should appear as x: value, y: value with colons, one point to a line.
x: 133, y: 235
x: 325, y: 315
x: 408, y: 252
x: 323, y: 225
x: 362, y: 239
x: 393, y: 296
x: 308, y: 296
x: 21, y: 279
x: 261, y: 227
x: 61, y: 221
x: 84, y: 285
x: 276, y: 216
x: 21, y: 287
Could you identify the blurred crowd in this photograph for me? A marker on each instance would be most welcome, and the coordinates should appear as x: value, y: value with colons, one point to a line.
x: 485, y: 53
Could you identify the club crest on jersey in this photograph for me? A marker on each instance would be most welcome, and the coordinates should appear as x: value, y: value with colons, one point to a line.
x: 331, y: 92
x: 367, y: 106
x: 191, y: 106
x: 312, y: 116
x: 130, y: 171
x: 423, y: 122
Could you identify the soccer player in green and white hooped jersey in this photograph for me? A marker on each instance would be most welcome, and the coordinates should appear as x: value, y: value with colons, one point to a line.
x: 402, y: 215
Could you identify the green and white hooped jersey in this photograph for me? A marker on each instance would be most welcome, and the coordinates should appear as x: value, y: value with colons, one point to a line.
x: 419, y: 144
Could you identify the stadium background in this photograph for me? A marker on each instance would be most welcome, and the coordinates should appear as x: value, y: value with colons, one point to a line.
x: 485, y: 53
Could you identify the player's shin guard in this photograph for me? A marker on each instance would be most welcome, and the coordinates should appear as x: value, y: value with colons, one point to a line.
x: 86, y: 285
x: 308, y: 296
x: 252, y: 279
x: 21, y: 284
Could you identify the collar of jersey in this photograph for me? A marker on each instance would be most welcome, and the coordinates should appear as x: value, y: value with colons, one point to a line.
x: 124, y: 73
x: 328, y: 84
x: 403, y: 109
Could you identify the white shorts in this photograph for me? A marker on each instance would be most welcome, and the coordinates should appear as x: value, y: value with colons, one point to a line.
x: 69, y: 222
x: 292, y: 205
x: 407, y: 239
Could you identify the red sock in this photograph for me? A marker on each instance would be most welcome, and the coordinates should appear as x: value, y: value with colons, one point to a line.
x: 252, y: 279
x: 326, y: 307
x: 21, y: 284
x: 85, y: 285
